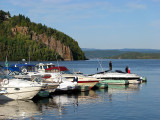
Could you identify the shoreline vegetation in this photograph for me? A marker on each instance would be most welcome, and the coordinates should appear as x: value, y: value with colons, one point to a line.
x: 123, y: 54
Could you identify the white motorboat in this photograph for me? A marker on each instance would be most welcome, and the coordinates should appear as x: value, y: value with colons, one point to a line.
x: 81, y: 79
x: 65, y: 85
x: 117, y: 75
x: 13, y: 88
x: 48, y: 85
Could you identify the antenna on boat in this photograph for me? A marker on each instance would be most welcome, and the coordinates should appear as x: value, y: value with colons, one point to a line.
x: 100, y: 64
x: 57, y: 61
x: 60, y: 71
x: 6, y: 62
x: 29, y: 54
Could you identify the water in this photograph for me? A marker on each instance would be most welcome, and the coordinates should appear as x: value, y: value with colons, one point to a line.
x: 134, y: 102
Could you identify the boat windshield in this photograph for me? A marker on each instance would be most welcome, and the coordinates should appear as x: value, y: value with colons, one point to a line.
x: 66, y: 72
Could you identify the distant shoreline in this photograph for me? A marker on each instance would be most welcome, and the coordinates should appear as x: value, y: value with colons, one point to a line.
x: 123, y: 54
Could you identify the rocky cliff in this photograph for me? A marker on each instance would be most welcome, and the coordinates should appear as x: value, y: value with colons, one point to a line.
x: 63, y: 50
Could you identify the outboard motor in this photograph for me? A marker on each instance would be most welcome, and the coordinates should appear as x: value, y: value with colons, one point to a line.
x: 75, y: 79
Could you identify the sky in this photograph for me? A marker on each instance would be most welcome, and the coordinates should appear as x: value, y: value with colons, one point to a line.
x: 100, y: 24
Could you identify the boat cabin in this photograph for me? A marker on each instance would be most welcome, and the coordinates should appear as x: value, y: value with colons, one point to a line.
x: 41, y: 66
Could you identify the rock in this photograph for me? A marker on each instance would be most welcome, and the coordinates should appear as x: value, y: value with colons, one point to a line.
x: 51, y: 42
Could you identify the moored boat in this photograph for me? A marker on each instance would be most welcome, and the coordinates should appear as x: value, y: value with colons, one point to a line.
x: 81, y: 79
x: 12, y: 89
x: 117, y: 75
x: 101, y: 85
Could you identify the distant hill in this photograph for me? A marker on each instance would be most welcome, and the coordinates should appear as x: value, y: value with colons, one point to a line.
x: 136, y: 55
x: 20, y: 37
x: 115, y: 53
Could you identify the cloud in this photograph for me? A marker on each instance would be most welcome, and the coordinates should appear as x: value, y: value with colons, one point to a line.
x: 67, y: 10
x: 59, y: 6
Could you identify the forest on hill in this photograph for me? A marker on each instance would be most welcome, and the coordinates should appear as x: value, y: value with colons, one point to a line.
x: 19, y: 38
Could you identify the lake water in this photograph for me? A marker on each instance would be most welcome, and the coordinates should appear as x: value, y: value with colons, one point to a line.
x: 133, y: 102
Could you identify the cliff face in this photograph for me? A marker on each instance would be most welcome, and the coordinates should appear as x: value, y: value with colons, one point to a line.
x: 51, y: 42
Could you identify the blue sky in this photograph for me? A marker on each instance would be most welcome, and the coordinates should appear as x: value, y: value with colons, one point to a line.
x: 101, y: 24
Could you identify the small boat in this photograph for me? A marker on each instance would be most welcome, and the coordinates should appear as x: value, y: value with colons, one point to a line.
x: 101, y: 85
x: 13, y: 88
x: 66, y: 86
x: 117, y: 75
x: 32, y: 76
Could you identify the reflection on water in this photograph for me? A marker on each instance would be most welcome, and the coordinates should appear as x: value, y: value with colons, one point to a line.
x: 57, y: 104
x: 123, y: 88
x: 18, y: 109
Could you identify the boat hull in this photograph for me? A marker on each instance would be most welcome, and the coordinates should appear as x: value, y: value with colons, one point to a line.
x: 82, y: 80
x: 19, y: 93
x: 134, y: 81
x: 87, y: 83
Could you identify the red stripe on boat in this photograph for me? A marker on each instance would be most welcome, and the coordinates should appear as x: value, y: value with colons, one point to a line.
x: 86, y: 81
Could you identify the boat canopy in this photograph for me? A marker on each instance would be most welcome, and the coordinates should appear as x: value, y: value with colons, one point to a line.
x: 61, y: 68
x: 12, y: 69
x: 21, y: 65
x: 25, y: 67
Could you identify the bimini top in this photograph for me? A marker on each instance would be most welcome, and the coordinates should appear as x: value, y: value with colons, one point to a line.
x: 22, y: 65
x: 12, y: 69
x: 25, y: 67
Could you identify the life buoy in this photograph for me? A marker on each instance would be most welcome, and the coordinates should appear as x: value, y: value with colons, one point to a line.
x: 5, y: 81
x: 24, y: 70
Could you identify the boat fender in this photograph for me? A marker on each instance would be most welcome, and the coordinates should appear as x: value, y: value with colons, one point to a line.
x: 5, y: 81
